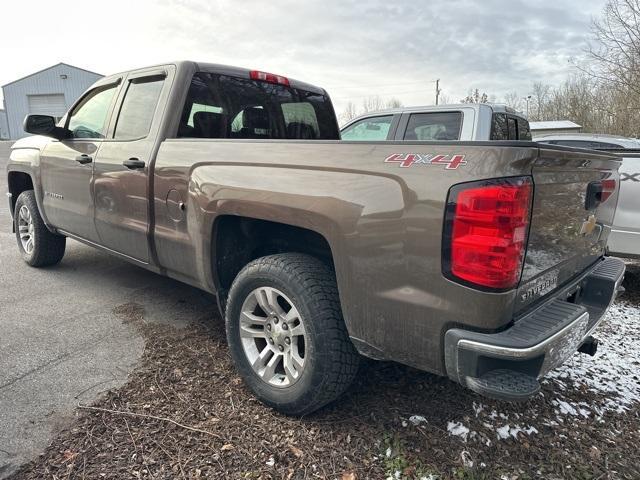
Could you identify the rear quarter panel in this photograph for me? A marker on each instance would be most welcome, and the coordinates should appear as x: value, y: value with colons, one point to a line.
x: 383, y: 223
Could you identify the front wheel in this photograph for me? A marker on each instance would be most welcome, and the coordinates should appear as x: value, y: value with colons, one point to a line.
x: 286, y: 333
x: 38, y: 246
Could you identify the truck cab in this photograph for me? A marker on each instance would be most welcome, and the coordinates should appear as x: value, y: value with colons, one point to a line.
x: 463, y: 122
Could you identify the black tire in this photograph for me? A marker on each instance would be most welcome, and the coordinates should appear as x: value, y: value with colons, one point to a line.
x: 331, y: 360
x: 48, y: 248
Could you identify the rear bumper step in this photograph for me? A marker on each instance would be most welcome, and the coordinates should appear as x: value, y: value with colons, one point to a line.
x: 507, y: 365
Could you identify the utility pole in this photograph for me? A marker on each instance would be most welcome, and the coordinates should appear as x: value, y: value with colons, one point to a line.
x: 437, y: 90
x: 527, y: 98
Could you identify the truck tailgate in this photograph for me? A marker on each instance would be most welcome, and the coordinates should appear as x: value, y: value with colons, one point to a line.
x: 575, y: 196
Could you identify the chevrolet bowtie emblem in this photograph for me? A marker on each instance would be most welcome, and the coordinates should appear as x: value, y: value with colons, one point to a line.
x: 588, y: 225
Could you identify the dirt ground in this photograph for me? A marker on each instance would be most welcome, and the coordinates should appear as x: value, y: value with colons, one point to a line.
x: 184, y: 413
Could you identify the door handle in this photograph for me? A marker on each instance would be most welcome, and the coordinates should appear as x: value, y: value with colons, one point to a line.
x: 84, y: 158
x: 133, y: 163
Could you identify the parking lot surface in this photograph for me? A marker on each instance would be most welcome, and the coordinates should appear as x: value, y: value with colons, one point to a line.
x: 61, y: 342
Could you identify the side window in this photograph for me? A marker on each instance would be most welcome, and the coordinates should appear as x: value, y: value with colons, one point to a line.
x: 201, y: 107
x: 499, y: 129
x: 513, y: 128
x: 524, y: 132
x: 88, y: 119
x: 434, y: 126
x: 138, y: 107
x: 368, y: 129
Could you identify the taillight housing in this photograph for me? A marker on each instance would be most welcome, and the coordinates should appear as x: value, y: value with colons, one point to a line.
x: 485, y: 232
x: 269, y: 77
x: 608, y: 189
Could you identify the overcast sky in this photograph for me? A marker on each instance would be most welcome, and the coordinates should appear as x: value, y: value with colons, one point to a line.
x: 351, y: 48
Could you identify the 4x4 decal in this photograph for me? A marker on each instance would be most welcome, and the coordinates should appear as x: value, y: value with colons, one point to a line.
x: 406, y: 160
x: 634, y: 177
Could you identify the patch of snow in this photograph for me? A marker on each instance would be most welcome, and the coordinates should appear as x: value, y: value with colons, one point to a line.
x: 458, y: 429
x: 417, y: 419
x: 508, y: 431
x: 613, y: 373
x: 467, y: 461
x: 271, y: 462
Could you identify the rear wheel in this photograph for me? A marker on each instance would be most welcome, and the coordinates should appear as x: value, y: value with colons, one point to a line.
x: 38, y: 246
x: 286, y: 333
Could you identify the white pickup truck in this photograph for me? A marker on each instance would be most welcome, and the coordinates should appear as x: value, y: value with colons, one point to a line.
x: 464, y: 122
x: 624, y: 240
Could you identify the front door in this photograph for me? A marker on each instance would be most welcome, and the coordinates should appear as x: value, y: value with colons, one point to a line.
x: 121, y: 170
x: 67, y: 165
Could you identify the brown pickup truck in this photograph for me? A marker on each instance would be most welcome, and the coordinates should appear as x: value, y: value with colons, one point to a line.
x: 482, y: 261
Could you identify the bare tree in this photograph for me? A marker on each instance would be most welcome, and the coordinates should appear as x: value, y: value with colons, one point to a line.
x: 393, y: 102
x: 349, y: 112
x: 372, y: 104
x: 513, y: 100
x: 474, y: 96
x: 615, y: 54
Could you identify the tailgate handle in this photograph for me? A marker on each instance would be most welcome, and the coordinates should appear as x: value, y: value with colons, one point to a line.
x: 594, y: 195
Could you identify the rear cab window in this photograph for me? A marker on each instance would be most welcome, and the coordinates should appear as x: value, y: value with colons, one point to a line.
x: 368, y: 129
x: 224, y: 106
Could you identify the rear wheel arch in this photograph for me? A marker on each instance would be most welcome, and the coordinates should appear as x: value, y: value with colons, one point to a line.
x: 237, y: 240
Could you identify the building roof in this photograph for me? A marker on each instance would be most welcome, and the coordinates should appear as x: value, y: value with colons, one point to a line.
x: 554, y: 125
x: 49, y: 68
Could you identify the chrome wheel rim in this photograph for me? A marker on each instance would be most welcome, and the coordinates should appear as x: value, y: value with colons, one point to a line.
x: 25, y: 229
x: 273, y: 336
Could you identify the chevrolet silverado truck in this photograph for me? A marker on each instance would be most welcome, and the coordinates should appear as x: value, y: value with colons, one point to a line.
x: 624, y: 240
x: 481, y: 261
x: 466, y: 121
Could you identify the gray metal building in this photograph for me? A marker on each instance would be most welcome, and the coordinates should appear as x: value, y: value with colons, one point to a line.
x: 48, y: 92
x: 4, y: 126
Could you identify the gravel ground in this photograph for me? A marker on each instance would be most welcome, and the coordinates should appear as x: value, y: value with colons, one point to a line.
x: 186, y: 414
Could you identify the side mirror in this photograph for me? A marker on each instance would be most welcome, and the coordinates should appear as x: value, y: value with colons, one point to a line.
x: 43, y: 125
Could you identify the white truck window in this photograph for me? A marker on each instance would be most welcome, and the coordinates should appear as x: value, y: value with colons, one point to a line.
x: 368, y: 129
x: 434, y: 126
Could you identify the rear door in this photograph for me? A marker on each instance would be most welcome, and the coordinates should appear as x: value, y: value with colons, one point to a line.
x: 67, y: 165
x: 124, y: 163
x: 575, y: 196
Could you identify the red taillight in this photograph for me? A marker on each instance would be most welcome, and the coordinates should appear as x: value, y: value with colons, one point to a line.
x: 608, y: 189
x: 269, y: 78
x: 486, y: 232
